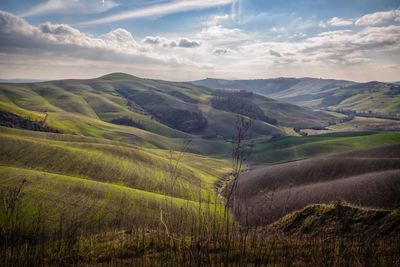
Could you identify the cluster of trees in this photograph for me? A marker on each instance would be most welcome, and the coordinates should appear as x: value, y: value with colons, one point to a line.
x: 14, y: 121
x: 240, y: 102
x: 127, y: 122
x: 183, y: 97
x: 156, y: 105
x: 181, y: 119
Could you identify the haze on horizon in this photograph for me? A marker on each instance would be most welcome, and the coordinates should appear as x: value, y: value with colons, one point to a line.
x: 193, y: 39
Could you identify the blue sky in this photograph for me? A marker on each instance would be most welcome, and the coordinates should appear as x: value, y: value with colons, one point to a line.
x: 194, y: 39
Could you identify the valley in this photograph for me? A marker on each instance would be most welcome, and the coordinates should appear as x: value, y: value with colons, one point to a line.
x: 119, y: 169
x: 191, y: 133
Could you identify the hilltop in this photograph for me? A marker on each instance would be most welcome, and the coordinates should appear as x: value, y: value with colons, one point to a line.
x: 124, y: 107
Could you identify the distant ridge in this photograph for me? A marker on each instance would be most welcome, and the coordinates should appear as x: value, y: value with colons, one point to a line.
x: 373, y: 96
x: 278, y: 88
x: 20, y: 81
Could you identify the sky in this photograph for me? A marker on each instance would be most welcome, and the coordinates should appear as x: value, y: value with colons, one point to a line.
x: 183, y: 40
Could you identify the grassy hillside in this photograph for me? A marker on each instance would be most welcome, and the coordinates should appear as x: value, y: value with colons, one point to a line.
x: 97, y: 107
x: 369, y: 178
x: 295, y: 148
x: 277, y: 88
x: 123, y: 171
x: 374, y: 96
x: 98, y: 177
x: 377, y: 97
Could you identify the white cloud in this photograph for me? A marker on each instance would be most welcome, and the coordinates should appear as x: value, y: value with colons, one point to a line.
x: 237, y: 10
x: 278, y: 29
x: 70, y: 6
x: 220, y: 35
x: 379, y: 17
x: 155, y: 40
x: 214, y: 20
x: 160, y: 10
x: 221, y: 51
x: 164, y: 42
x: 186, y: 43
x: 274, y: 53
x: 17, y: 36
x: 249, y: 54
x: 336, y: 48
x: 349, y: 47
x: 335, y: 21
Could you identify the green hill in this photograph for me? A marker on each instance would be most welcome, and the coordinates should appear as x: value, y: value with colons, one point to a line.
x: 376, y: 97
x: 278, y: 88
x: 95, y: 107
x: 97, y: 177
x: 369, y: 97
x: 295, y: 148
x: 121, y: 169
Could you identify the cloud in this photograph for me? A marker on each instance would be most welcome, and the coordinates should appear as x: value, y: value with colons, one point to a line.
x: 160, y: 10
x: 378, y: 17
x: 347, y: 46
x: 186, y: 43
x: 164, y: 42
x: 274, y: 53
x: 221, y: 51
x: 237, y: 10
x: 222, y: 35
x: 216, y: 20
x: 47, y: 39
x: 154, y: 40
x: 340, y: 47
x: 278, y: 29
x: 49, y: 46
x: 69, y: 7
x: 335, y: 21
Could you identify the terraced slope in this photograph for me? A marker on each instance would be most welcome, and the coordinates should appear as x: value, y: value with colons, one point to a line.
x: 369, y: 178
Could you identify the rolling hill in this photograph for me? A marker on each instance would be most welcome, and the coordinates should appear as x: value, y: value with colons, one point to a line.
x: 277, y: 88
x: 374, y: 97
x: 123, y: 169
x: 377, y: 97
x: 98, y: 107
x: 368, y: 178
x: 95, y: 178
x: 291, y: 148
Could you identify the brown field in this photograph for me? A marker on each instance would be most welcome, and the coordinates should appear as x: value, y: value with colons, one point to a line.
x: 368, y: 178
